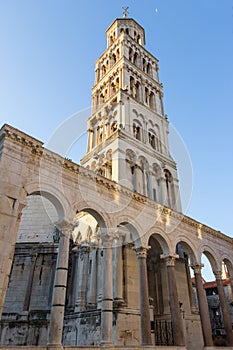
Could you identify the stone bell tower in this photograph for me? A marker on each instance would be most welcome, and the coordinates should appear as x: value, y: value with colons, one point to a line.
x: 127, y: 129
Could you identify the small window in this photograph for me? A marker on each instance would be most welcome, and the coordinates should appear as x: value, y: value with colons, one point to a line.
x: 137, y: 132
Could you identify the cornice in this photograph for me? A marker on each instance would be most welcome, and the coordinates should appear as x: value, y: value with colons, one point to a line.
x: 10, y: 133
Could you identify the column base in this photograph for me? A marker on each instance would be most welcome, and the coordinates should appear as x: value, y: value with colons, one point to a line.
x: 105, y: 343
x: 54, y: 347
x: 119, y: 303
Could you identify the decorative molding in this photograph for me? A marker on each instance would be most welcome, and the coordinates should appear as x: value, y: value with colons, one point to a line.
x: 9, y: 132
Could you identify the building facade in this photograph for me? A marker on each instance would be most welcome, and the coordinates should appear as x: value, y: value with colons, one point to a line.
x: 100, y: 254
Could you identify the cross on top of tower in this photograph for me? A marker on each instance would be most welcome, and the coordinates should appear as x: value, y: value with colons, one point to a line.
x: 125, y: 11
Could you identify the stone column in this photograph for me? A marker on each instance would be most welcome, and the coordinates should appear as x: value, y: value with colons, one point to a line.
x: 74, y: 272
x: 27, y: 298
x: 203, y: 307
x: 92, y: 297
x: 177, y: 324
x: 118, y: 270
x: 82, y: 281
x: 149, y: 185
x: 144, y: 296
x: 163, y: 191
x: 90, y: 139
x: 107, y: 296
x: 59, y: 289
x: 225, y: 311
x: 231, y: 284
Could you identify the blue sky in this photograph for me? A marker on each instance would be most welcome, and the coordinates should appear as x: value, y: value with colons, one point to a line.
x: 48, y: 49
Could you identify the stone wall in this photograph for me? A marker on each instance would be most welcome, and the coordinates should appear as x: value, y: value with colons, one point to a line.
x: 37, y: 221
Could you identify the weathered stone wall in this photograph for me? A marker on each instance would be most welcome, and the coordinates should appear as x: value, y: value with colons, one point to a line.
x: 37, y: 221
x: 23, y: 294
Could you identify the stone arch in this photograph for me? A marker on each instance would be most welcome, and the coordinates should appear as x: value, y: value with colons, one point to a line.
x: 157, y: 276
x: 55, y: 196
x: 189, y: 248
x: 228, y: 264
x: 162, y: 239
x: 94, y: 209
x: 130, y: 155
x: 186, y: 257
x: 212, y: 257
x: 45, y: 206
x: 133, y: 227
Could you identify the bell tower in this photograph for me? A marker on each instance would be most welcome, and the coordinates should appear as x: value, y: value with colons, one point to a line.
x: 127, y: 129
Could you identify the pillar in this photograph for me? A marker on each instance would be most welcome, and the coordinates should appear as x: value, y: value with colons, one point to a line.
x: 163, y: 190
x: 144, y: 296
x: 225, y: 311
x: 231, y: 284
x: 118, y: 270
x: 90, y: 139
x: 59, y: 289
x: 27, y: 298
x: 203, y: 307
x: 177, y: 324
x: 92, y: 297
x: 74, y: 272
x: 107, y: 294
x: 149, y: 185
x: 83, y: 260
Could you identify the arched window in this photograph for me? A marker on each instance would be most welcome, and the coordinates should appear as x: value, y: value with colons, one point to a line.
x: 132, y: 86
x: 130, y: 54
x: 137, y: 131
x: 103, y: 70
x: 153, y: 139
x: 146, y: 95
x: 114, y: 127
x: 100, y: 134
x: 111, y: 40
x: 137, y: 94
x: 114, y: 58
x: 152, y: 101
x: 135, y: 58
x: 144, y: 64
x: 130, y: 158
x: 148, y: 68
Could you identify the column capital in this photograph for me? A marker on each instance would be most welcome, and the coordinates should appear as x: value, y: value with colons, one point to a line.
x: 84, y: 248
x: 197, y: 268
x: 118, y: 237
x: 94, y: 244
x: 169, y: 259
x: 142, y: 251
x: 64, y: 227
x: 107, y: 238
x: 218, y: 275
